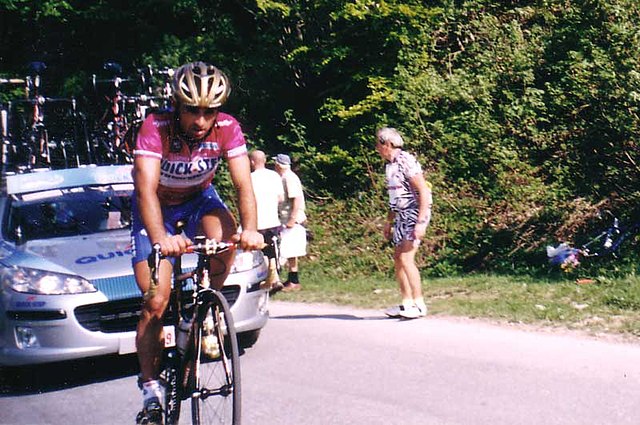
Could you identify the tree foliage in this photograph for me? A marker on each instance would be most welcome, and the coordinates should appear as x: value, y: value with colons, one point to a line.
x: 524, y: 113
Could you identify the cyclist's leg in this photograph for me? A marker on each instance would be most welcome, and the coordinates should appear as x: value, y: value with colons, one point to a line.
x: 149, y: 336
x: 149, y: 339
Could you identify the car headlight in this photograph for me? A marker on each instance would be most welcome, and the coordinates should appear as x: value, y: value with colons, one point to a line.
x: 247, y: 260
x: 33, y: 281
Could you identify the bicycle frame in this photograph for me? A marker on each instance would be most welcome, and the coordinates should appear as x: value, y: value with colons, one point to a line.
x: 609, y: 241
x: 33, y: 146
x: 114, y: 139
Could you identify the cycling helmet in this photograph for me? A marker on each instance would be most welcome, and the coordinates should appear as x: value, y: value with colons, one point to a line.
x: 200, y: 84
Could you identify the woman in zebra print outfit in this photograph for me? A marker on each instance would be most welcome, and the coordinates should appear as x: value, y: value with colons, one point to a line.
x: 410, y: 212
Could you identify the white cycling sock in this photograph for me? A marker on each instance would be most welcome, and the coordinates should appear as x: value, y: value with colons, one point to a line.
x: 419, y: 302
x: 407, y: 303
x: 151, y: 389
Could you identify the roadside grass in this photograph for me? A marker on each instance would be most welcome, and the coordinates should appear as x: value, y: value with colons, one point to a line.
x: 601, y: 306
x: 349, y: 263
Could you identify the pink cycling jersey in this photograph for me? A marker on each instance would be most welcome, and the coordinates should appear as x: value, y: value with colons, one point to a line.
x: 184, y: 173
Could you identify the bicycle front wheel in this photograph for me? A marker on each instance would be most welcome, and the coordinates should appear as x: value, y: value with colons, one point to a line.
x: 216, y: 392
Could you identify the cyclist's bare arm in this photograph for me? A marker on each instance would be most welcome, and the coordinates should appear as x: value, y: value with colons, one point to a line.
x: 240, y: 171
x: 146, y: 177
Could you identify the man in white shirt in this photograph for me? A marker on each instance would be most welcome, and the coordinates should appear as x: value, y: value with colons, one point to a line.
x: 269, y: 193
x: 293, y: 217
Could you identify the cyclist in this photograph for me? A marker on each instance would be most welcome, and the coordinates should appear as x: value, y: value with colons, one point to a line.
x: 176, y: 156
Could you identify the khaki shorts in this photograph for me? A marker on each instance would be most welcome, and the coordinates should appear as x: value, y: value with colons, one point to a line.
x: 293, y: 242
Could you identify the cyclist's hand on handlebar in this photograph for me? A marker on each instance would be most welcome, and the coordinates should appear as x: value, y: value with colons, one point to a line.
x: 173, y: 245
x: 249, y: 240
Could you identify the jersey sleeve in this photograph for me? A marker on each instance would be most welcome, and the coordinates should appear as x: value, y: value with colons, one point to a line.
x: 149, y: 142
x: 234, y: 142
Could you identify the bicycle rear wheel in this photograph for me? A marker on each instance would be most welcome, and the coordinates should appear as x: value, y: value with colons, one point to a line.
x: 216, y: 395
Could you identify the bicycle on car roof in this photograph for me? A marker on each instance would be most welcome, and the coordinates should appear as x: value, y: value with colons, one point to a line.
x: 116, y: 129
x: 40, y: 131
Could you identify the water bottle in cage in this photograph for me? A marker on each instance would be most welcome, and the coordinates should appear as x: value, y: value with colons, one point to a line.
x: 210, y: 346
x: 183, y: 333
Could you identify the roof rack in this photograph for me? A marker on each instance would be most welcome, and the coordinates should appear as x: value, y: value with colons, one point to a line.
x: 35, y: 181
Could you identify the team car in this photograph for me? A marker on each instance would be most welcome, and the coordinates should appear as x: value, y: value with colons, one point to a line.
x: 67, y: 289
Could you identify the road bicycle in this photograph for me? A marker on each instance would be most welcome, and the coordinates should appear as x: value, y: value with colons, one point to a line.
x: 5, y: 131
x: 606, y: 242
x: 117, y: 128
x: 158, y: 98
x: 53, y: 139
x: 34, y: 138
x: 609, y: 241
x: 202, y: 359
x: 113, y: 123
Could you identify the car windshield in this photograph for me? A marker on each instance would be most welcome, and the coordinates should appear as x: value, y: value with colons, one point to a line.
x: 69, y: 212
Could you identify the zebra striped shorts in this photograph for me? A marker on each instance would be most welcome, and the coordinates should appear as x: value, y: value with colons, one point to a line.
x: 404, y: 224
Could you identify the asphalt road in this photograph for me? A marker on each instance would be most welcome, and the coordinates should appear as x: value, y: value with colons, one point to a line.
x: 320, y: 364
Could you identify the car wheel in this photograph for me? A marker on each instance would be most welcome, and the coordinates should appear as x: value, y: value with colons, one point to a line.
x: 249, y: 338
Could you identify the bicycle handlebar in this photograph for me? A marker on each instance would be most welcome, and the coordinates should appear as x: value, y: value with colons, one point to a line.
x: 141, y: 98
x: 116, y: 80
x: 204, y: 246
x: 210, y: 247
x: 41, y: 100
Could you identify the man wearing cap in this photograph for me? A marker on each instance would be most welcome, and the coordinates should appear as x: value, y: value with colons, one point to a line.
x: 292, y: 216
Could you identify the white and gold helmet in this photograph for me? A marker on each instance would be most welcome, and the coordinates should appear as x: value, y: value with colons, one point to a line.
x: 200, y: 84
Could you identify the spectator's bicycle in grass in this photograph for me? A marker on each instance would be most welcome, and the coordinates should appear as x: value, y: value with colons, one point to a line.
x: 607, y: 242
x: 202, y: 361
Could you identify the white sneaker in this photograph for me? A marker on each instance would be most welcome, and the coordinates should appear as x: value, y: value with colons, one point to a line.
x: 395, y: 311
x: 413, y: 312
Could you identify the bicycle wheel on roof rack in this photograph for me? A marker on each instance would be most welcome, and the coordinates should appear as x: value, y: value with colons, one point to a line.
x: 129, y: 142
